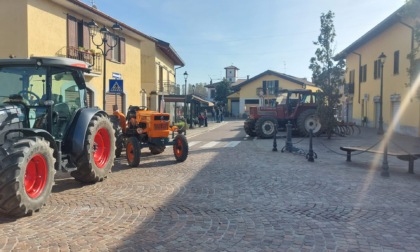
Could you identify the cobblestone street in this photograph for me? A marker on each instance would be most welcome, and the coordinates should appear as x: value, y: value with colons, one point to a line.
x: 228, y: 196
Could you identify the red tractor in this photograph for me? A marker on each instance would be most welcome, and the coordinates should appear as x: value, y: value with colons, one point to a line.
x: 46, y: 126
x: 143, y: 128
x: 295, y: 106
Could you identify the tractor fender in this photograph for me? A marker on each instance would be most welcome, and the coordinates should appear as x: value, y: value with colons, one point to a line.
x: 77, y: 133
x: 34, y: 132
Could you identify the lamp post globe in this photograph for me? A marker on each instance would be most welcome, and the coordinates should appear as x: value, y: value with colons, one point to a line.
x: 105, y: 33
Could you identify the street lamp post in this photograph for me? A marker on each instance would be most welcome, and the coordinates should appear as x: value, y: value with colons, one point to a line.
x: 93, y: 30
x: 185, y: 95
x: 381, y: 59
x: 191, y: 108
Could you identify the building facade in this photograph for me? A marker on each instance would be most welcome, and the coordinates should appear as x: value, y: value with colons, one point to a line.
x: 262, y: 90
x: 368, y: 71
x: 60, y: 28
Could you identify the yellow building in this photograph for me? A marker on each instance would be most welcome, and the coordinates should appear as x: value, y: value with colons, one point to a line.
x: 143, y: 65
x: 394, y: 37
x: 261, y: 89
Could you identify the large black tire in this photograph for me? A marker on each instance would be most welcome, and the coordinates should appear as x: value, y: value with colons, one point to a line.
x: 309, y: 120
x: 266, y: 127
x: 155, y: 149
x: 26, y: 175
x: 119, y: 136
x: 180, y: 148
x: 133, y: 152
x: 99, y: 151
x: 249, y: 127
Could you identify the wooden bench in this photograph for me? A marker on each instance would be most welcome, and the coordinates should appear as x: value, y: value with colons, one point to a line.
x: 400, y: 155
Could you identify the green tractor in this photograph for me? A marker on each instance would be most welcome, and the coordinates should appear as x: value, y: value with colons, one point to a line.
x: 46, y: 126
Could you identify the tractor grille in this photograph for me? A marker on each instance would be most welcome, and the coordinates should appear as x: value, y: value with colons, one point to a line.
x: 161, y: 126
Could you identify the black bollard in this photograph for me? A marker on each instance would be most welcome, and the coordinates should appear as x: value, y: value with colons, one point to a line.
x: 289, y: 144
x: 275, y: 139
x: 385, y: 167
x: 310, y: 155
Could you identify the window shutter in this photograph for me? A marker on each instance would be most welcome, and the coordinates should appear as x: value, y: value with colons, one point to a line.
x: 71, y: 33
x: 86, y: 38
x: 122, y: 50
x: 276, y: 87
x: 364, y: 72
x: 264, y: 86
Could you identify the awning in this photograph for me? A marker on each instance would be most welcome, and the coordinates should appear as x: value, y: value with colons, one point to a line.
x: 181, y: 98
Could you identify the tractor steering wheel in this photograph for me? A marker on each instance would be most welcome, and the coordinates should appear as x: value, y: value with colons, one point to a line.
x: 31, y: 102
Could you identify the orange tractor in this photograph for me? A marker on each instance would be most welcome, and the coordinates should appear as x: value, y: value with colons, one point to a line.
x: 145, y: 128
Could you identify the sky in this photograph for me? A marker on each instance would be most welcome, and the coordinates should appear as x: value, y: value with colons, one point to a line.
x: 253, y: 35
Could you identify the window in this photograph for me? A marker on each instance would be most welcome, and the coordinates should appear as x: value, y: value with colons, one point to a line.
x: 270, y: 87
x: 117, y: 53
x: 396, y: 62
x: 362, y: 73
x: 212, y: 93
x: 351, y: 76
x: 78, y: 33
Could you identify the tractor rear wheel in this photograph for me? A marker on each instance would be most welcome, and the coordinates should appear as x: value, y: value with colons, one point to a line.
x: 99, y: 151
x: 308, y: 120
x: 180, y: 148
x: 27, y: 172
x: 156, y: 149
x: 249, y: 127
x: 266, y: 127
x: 133, y: 152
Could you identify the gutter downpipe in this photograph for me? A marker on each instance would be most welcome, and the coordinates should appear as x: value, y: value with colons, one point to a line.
x: 412, y: 41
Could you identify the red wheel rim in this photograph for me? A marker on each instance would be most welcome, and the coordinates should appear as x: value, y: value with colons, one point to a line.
x: 101, y: 147
x: 130, y: 152
x: 178, y: 148
x: 36, y: 176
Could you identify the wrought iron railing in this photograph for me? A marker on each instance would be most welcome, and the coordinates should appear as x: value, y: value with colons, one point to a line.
x: 87, y: 55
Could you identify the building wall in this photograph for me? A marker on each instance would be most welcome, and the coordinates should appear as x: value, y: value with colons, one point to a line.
x: 13, y: 16
x: 394, y: 85
x: 46, y: 29
x: 249, y: 91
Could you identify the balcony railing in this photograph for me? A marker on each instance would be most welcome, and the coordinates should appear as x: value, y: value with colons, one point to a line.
x: 83, y: 54
x: 170, y: 88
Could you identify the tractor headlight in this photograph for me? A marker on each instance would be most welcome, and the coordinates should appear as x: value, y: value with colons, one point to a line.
x: 139, y: 130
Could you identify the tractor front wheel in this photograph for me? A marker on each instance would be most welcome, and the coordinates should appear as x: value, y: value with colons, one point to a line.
x: 266, y: 127
x: 249, y: 127
x: 99, y: 152
x: 27, y: 172
x: 133, y: 152
x: 180, y: 148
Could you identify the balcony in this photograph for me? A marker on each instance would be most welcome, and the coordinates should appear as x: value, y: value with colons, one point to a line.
x: 83, y: 54
x: 169, y: 88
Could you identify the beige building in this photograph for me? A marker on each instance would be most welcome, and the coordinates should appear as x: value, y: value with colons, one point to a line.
x: 143, y: 66
x: 395, y: 38
x: 261, y: 90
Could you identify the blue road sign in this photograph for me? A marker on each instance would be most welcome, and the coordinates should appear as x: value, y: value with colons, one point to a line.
x: 116, y: 86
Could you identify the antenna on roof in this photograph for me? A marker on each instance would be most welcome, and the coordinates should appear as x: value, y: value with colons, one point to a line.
x: 92, y: 3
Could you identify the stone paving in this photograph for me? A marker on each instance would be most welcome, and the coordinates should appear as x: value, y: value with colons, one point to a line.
x: 246, y: 198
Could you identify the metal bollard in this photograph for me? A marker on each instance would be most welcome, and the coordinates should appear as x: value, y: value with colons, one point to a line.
x: 385, y: 167
x: 275, y: 139
x: 310, y: 155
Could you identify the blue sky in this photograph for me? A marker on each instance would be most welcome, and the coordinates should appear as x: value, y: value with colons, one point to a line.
x: 252, y: 35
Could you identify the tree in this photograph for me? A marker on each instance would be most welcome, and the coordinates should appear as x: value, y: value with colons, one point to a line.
x: 223, y: 90
x: 327, y: 73
x: 411, y: 10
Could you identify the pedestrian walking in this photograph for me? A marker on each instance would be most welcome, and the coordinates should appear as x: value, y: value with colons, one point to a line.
x: 205, y: 118
x: 217, y: 114
x: 213, y: 114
